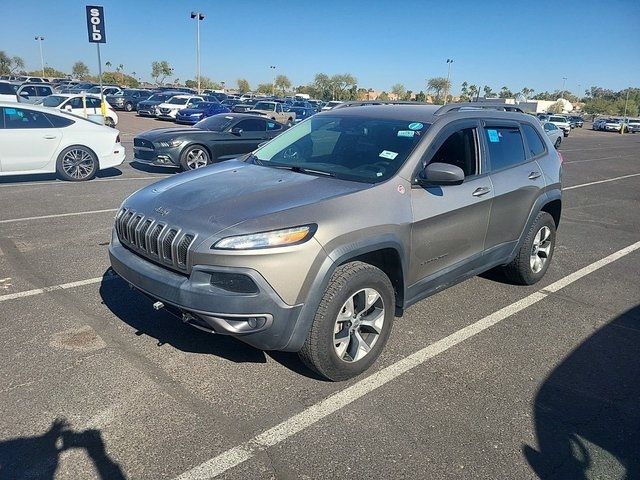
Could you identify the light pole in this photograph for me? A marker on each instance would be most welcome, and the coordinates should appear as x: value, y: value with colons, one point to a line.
x: 449, y: 62
x: 39, y: 39
x: 564, y: 79
x: 198, y: 18
x: 222, y: 83
x: 273, y: 85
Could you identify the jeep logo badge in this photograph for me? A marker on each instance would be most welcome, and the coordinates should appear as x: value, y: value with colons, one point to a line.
x: 162, y: 211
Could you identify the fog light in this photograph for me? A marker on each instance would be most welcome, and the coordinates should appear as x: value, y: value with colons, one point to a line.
x: 163, y: 159
x: 256, y: 322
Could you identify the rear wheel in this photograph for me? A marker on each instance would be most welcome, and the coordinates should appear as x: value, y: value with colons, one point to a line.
x: 109, y: 122
x: 128, y: 107
x: 534, y: 256
x: 194, y: 157
x: 558, y: 142
x: 352, y: 323
x: 77, y: 163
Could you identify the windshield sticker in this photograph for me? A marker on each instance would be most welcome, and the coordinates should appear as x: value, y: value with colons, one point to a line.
x: 406, y: 133
x: 271, y: 125
x: 229, y: 118
x: 388, y: 154
x: 415, y: 126
x: 493, y: 136
x: 10, y: 111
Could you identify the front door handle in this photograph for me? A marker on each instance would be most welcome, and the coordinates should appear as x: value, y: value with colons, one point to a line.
x: 50, y: 137
x: 478, y: 192
x: 534, y: 175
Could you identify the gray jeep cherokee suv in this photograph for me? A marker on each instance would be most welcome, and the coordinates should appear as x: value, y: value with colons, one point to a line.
x: 314, y: 242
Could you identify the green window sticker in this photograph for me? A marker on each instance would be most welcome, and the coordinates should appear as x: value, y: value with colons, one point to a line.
x: 415, y: 126
x: 406, y: 133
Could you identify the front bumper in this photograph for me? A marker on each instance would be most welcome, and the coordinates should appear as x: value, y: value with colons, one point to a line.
x: 163, y: 157
x: 207, y: 307
x: 146, y: 111
x: 167, y: 116
x: 188, y: 120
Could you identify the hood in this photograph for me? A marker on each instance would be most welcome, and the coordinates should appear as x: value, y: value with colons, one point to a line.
x: 190, y: 111
x: 172, y: 106
x: 162, y: 133
x: 149, y: 103
x: 209, y: 200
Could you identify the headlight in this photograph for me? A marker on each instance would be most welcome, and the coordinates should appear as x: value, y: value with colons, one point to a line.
x: 275, y: 238
x: 171, y: 143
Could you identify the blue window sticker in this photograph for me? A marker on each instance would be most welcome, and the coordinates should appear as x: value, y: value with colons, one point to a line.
x: 10, y: 111
x: 415, y: 126
x: 271, y: 125
x: 406, y: 133
x: 493, y: 136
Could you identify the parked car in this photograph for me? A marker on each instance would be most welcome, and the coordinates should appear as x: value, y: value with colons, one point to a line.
x: 169, y: 109
x: 107, y: 89
x: 561, y: 122
x: 577, y: 121
x: 274, y: 111
x: 331, y: 105
x: 36, y: 139
x: 632, y: 125
x: 301, y: 113
x: 212, y: 140
x: 149, y: 107
x: 611, y: 125
x: 128, y: 99
x: 78, y: 87
x: 230, y: 102
x: 554, y: 133
x: 200, y: 111
x: 220, y: 96
x: 241, y: 108
x: 33, y: 92
x: 270, y: 253
x: 597, y: 123
x: 33, y: 80
x: 8, y: 92
x: 73, y: 103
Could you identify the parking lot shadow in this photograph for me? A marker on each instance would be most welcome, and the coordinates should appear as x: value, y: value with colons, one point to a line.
x: 587, y: 411
x: 143, y: 167
x: 38, y: 456
x: 41, y: 177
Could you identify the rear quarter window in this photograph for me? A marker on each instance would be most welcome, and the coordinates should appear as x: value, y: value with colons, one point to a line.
x: 59, y: 122
x: 534, y: 142
x: 506, y: 148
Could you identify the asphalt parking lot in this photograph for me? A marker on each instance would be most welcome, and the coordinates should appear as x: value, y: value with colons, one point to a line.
x: 483, y: 380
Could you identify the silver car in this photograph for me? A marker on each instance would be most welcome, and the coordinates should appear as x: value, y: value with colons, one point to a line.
x: 318, y: 239
x: 554, y: 133
x: 33, y: 92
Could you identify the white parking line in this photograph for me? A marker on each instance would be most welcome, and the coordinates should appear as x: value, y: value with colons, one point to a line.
x: 601, y: 181
x: 64, y: 286
x: 60, y: 183
x: 308, y: 417
x: 596, y: 148
x: 57, y: 215
x: 603, y: 158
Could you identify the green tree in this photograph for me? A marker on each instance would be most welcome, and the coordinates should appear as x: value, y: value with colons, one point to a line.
x: 340, y: 83
x: 9, y: 64
x: 283, y: 83
x: 438, y: 86
x: 384, y: 96
x: 526, y: 92
x: 505, y: 93
x: 80, y: 70
x: 265, y: 88
x: 557, y: 107
x: 421, y: 97
x: 17, y: 64
x: 243, y: 85
x: 108, y: 64
x: 488, y: 92
x: 160, y: 70
x: 399, y: 91
x: 464, y: 92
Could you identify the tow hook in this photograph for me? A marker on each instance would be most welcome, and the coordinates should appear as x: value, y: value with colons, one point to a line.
x: 158, y: 305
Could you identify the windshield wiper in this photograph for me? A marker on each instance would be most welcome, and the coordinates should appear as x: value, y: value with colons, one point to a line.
x: 298, y: 169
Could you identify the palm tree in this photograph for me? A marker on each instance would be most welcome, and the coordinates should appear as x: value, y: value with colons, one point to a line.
x: 121, y: 70
x: 108, y: 64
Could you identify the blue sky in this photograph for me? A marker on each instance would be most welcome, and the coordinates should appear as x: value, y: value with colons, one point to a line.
x: 514, y: 43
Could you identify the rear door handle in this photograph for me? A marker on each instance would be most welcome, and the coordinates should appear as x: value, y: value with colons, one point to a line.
x: 534, y: 175
x: 478, y: 192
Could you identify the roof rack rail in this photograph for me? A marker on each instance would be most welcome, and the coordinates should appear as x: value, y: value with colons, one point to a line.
x: 453, y: 107
x: 362, y: 103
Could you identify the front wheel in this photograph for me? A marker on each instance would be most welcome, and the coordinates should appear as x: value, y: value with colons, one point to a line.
x: 352, y: 323
x: 194, y: 157
x: 558, y: 142
x: 77, y: 164
x: 110, y: 122
x: 128, y: 107
x: 534, y: 256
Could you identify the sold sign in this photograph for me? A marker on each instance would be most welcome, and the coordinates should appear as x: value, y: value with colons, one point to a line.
x: 95, y: 24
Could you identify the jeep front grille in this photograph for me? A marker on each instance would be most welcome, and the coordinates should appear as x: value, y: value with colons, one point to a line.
x: 153, y: 239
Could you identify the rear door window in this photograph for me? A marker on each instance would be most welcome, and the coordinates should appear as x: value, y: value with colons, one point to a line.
x: 534, y: 142
x: 506, y: 148
x: 21, y: 118
x: 252, y: 125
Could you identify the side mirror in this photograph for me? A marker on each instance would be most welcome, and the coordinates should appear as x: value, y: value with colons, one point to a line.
x: 24, y: 94
x: 441, y: 174
x: 236, y: 131
x: 68, y: 108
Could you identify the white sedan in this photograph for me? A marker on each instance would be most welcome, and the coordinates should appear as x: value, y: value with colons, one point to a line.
x: 71, y: 103
x: 554, y: 133
x: 35, y: 139
x: 169, y: 109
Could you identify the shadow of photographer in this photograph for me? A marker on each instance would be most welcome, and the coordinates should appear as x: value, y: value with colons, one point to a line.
x: 39, y: 456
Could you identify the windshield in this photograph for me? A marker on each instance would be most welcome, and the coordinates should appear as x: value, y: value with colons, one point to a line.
x: 53, y: 100
x: 558, y: 119
x: 203, y: 105
x: 159, y: 97
x: 178, y: 101
x: 7, y: 89
x: 353, y: 148
x: 217, y: 123
x: 265, y: 106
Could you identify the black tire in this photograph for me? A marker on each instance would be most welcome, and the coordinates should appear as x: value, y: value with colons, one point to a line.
x: 184, y: 157
x: 558, y: 142
x: 565, y: 134
x: 109, y: 122
x: 318, y: 351
x: 519, y: 270
x: 128, y: 107
x: 83, y: 174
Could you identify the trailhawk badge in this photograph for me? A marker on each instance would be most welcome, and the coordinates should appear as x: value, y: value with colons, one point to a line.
x: 162, y: 211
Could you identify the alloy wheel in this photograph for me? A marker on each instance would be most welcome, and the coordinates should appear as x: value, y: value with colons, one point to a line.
x: 78, y: 164
x: 358, y: 325
x: 197, y: 158
x: 540, y: 250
